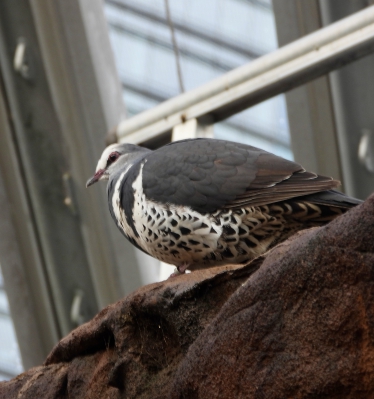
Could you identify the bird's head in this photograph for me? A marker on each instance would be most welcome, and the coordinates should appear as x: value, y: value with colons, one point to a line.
x: 113, y: 159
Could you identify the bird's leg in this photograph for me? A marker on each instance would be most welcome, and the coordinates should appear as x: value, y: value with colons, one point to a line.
x: 183, y: 267
x: 180, y: 270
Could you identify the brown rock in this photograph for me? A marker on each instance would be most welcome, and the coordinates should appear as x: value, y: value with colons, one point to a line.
x: 301, y: 326
x: 132, y: 349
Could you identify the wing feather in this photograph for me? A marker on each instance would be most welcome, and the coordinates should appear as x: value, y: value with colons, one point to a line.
x: 208, y: 174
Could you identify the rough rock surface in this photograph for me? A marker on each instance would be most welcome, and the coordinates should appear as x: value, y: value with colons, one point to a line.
x: 298, y: 322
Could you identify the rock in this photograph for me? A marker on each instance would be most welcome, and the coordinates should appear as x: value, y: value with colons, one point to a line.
x: 298, y: 322
x: 302, y: 326
x: 132, y: 349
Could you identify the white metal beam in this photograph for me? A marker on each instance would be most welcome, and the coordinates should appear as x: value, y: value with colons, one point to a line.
x: 191, y: 130
x: 286, y: 68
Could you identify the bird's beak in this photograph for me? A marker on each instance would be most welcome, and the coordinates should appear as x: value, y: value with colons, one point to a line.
x: 94, y: 178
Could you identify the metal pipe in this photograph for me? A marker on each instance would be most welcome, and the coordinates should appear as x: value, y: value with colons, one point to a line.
x: 274, y: 73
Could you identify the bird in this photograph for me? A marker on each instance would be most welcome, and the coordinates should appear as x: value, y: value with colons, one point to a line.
x: 201, y: 203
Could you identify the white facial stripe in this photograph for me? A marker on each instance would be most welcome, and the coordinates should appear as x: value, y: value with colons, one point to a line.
x: 104, y: 156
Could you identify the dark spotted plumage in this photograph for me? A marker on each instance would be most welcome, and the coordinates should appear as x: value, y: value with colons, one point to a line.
x: 204, y: 202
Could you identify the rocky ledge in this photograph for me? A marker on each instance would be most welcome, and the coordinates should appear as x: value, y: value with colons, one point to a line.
x: 297, y: 322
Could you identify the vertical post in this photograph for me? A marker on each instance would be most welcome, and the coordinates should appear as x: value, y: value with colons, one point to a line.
x: 192, y: 129
x: 310, y: 109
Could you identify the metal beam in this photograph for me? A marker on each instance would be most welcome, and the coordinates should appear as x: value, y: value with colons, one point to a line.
x: 87, y: 96
x: 352, y: 90
x: 238, y: 124
x: 280, y: 71
x: 27, y: 287
x: 191, y: 130
x: 59, y: 93
x: 310, y: 110
x: 26, y: 117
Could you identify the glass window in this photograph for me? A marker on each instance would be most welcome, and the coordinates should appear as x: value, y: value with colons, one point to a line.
x: 10, y: 359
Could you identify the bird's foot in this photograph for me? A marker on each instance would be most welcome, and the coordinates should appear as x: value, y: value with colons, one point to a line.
x: 179, y: 270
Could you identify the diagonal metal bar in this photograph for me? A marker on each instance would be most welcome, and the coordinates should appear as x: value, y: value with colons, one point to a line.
x: 175, y: 46
x: 293, y: 65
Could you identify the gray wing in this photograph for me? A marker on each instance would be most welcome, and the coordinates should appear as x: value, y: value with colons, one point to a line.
x: 208, y: 174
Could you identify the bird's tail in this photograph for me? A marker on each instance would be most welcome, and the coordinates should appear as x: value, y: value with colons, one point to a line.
x: 331, y: 198
x: 315, y: 209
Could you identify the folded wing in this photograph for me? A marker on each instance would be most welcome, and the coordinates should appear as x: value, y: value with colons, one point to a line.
x: 213, y: 174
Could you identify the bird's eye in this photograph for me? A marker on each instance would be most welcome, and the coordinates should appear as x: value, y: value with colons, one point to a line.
x: 112, y: 157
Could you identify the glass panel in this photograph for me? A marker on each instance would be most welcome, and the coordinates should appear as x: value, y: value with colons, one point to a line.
x: 10, y: 359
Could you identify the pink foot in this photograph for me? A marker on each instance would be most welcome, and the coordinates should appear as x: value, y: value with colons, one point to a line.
x: 179, y: 270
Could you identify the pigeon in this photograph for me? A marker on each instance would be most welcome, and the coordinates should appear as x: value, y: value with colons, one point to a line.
x: 202, y: 203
